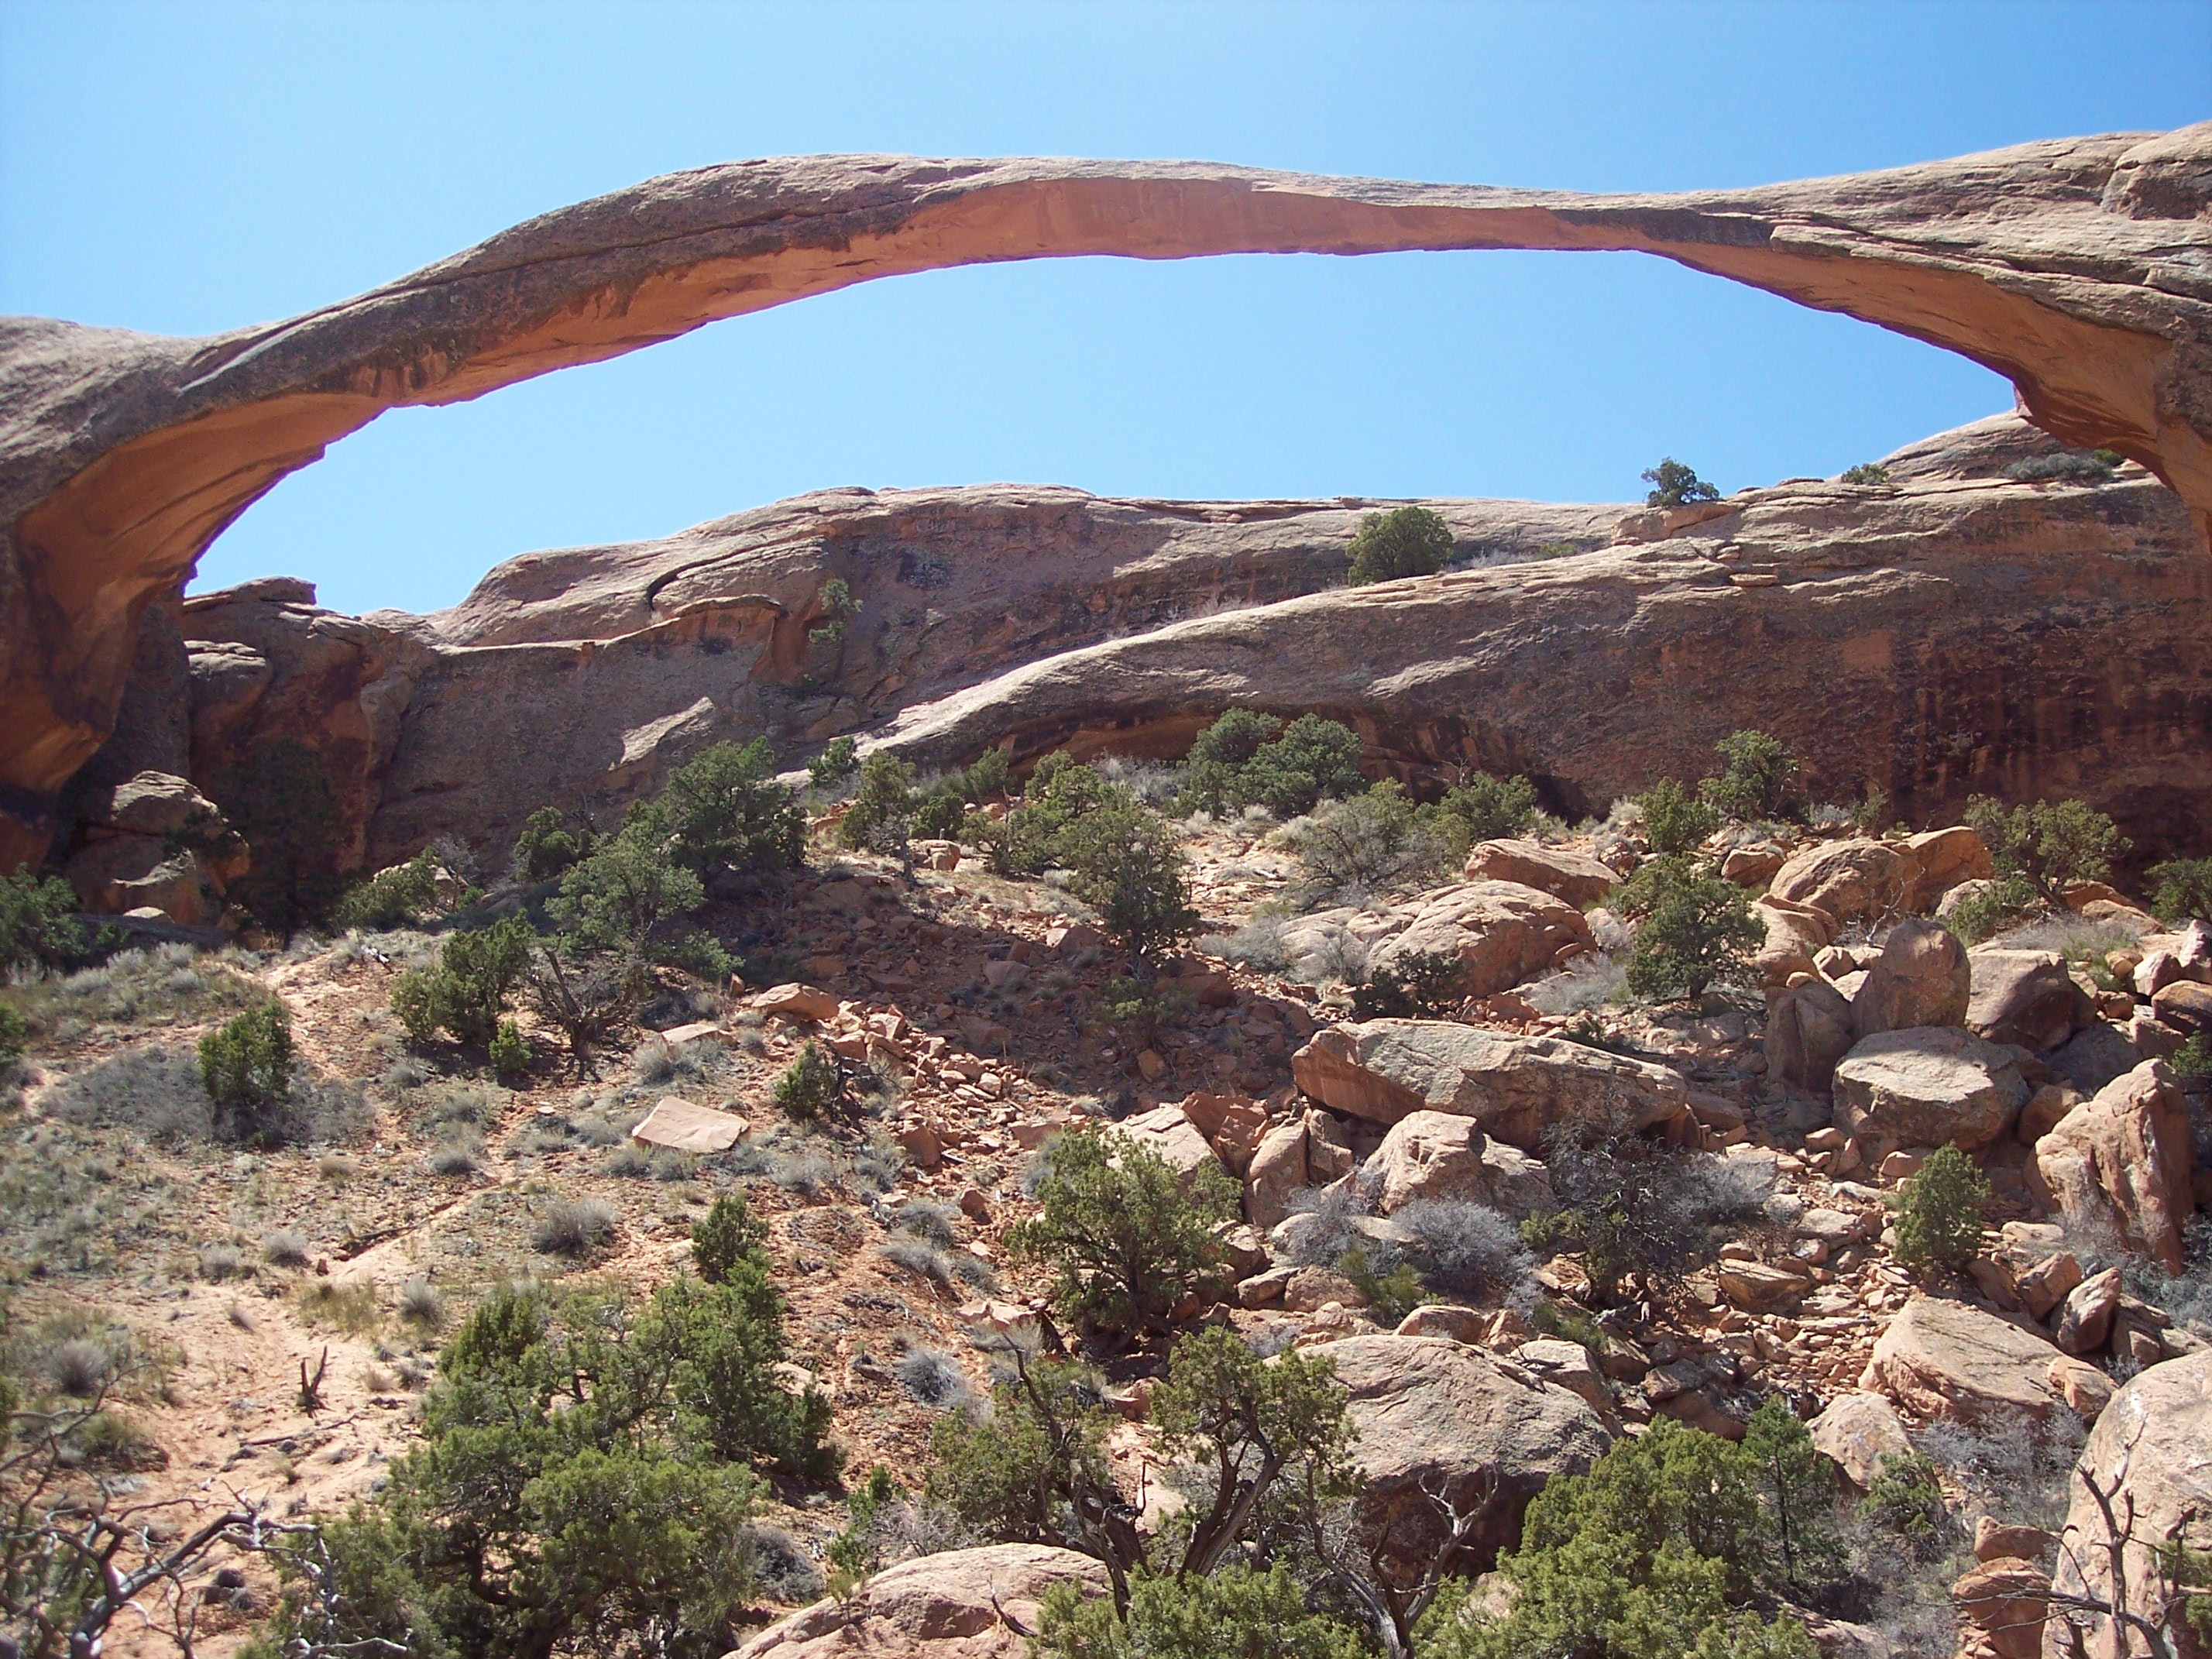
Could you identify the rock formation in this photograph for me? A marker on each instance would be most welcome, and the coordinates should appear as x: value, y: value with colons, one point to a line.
x: 2073, y: 266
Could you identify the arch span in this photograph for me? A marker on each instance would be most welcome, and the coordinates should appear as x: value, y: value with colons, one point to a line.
x: 2081, y: 269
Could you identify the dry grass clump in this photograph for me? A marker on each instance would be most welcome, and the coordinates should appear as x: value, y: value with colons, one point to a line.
x: 351, y: 1308
x: 423, y: 1303
x: 284, y: 1246
x: 573, y: 1226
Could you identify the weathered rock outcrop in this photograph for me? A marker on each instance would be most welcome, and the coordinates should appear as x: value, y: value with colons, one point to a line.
x: 2150, y: 1455
x: 1517, y: 1088
x: 2120, y: 1164
x: 2072, y: 266
x: 961, y: 1604
x: 1928, y: 1086
x: 1500, y: 934
x: 1947, y: 1360
x: 1436, y: 1416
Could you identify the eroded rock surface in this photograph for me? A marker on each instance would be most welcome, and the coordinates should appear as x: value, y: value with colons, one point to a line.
x: 961, y: 1604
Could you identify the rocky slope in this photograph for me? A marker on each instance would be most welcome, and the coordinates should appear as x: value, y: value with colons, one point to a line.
x: 2075, y: 267
x: 1950, y: 631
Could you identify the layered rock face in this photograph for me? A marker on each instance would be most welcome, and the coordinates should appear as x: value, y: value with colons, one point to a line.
x: 2075, y: 267
x: 1947, y: 633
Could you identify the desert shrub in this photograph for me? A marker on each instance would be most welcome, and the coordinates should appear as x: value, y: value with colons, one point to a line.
x: 508, y: 1050
x: 1240, y: 1611
x: 1364, y: 844
x: 627, y: 1162
x: 537, y: 1517
x: 1906, y: 1499
x: 1632, y: 1204
x: 284, y: 1246
x: 1130, y: 868
x: 834, y: 766
x: 1992, y: 908
x: 618, y: 899
x: 811, y: 1088
x: 728, y: 1239
x: 219, y: 1262
x: 1463, y: 1249
x: 573, y: 1226
x: 1407, y: 541
x: 464, y: 992
x: 2050, y: 846
x: 398, y: 897
x: 1866, y: 472
x: 940, y: 812
x: 926, y: 1217
x: 422, y: 1302
x: 1390, y: 1292
x: 986, y: 776
x: 1697, y: 927
x: 880, y: 1163
x: 2194, y: 1057
x: 1419, y: 985
x: 726, y: 816
x: 1125, y: 1244
x: 546, y: 847
x: 2180, y: 889
x: 1939, y: 1212
x: 1675, y: 818
x: 782, y: 1566
x: 1137, y: 1012
x: 14, y: 1033
x: 1674, y: 484
x: 1312, y: 760
x: 837, y: 603
x: 246, y: 1066
x: 1492, y: 808
x: 1219, y: 756
x: 587, y: 997
x: 2097, y: 467
x: 1756, y: 781
x: 881, y: 816
x: 38, y: 927
x: 1655, y: 1553
x: 933, y: 1377
x: 461, y: 1157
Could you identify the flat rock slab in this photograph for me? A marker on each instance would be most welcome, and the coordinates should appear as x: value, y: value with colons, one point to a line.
x: 685, y: 1127
x: 958, y: 1604
x: 1929, y: 1085
x: 1947, y: 1360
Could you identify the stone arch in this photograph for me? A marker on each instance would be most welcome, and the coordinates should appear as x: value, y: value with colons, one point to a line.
x: 2073, y: 267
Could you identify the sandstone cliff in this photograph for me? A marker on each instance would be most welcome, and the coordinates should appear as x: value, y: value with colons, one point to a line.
x: 1951, y: 631
x: 2076, y: 267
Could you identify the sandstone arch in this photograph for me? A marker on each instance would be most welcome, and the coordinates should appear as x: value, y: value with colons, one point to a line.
x: 2081, y: 268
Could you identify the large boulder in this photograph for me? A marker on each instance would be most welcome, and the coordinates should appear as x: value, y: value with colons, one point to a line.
x: 1277, y: 1170
x: 1809, y: 1029
x: 1517, y: 1088
x: 2150, y: 1455
x: 1437, y: 1416
x: 1440, y: 1155
x: 2002, y: 1604
x: 1168, y: 1132
x: 1576, y: 878
x: 1946, y: 858
x: 1795, y: 934
x: 1947, y: 1360
x: 2025, y: 998
x: 1927, y: 1086
x: 2187, y: 1005
x: 1854, y: 880
x: 2119, y: 1165
x: 959, y: 1604
x: 1921, y: 978
x: 1857, y: 1431
x: 1500, y: 932
x: 153, y: 840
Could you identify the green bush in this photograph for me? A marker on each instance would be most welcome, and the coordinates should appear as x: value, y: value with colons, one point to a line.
x: 1129, y: 867
x: 1697, y: 927
x: 2194, y: 1057
x: 14, y: 1032
x: 1906, y: 1499
x: 546, y: 846
x: 1139, y: 1012
x: 508, y: 1050
x: 2095, y: 467
x: 1247, y: 759
x: 1866, y: 472
x: 1421, y: 985
x: 1756, y: 780
x: 810, y: 1087
x: 246, y: 1066
x: 1674, y: 484
x: 1367, y: 844
x: 2050, y: 846
x: 1407, y: 541
x: 1491, y: 809
x: 1939, y: 1212
x: 2180, y: 889
x: 466, y: 990
x: 939, y: 815
x: 1996, y: 906
x: 537, y: 1516
x: 986, y: 776
x: 881, y: 818
x: 839, y: 760
x: 837, y: 605
x: 398, y: 897
x: 617, y: 897
x: 1390, y: 1294
x: 727, y: 1242
x: 38, y: 926
x: 726, y: 816
x: 1654, y: 1554
x: 1238, y: 1613
x: 1675, y: 819
x: 1125, y: 1243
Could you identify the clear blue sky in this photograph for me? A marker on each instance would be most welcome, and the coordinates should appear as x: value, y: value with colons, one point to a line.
x: 188, y: 168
